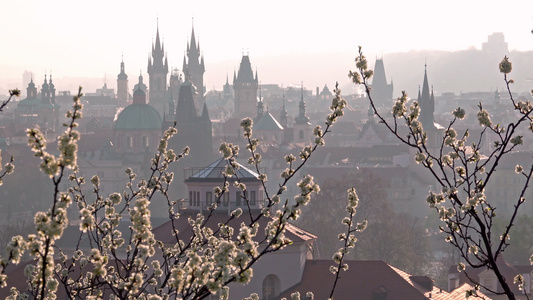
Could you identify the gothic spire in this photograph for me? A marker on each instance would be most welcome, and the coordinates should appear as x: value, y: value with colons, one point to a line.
x: 427, y: 104
x: 283, y: 116
x: 302, y: 118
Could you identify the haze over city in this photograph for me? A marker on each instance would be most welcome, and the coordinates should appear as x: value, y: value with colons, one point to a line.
x: 210, y: 149
x: 288, y: 41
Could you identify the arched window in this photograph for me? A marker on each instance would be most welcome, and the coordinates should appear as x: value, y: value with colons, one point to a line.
x: 271, y: 287
x: 146, y: 141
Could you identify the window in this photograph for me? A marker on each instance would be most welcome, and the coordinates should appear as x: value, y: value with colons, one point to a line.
x: 301, y: 134
x: 146, y: 141
x: 252, y: 198
x: 238, y: 198
x: 190, y: 198
x: 197, y: 198
x: 129, y: 142
x: 225, y: 199
x: 271, y: 287
x: 208, y: 198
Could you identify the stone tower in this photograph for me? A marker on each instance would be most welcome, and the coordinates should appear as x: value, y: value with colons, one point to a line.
x: 158, y: 71
x: 245, y: 87
x: 194, y: 69
x: 381, y: 90
x: 302, y: 127
x: 122, y: 86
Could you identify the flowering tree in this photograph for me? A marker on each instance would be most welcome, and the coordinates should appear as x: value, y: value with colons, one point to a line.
x: 134, y: 264
x: 462, y: 169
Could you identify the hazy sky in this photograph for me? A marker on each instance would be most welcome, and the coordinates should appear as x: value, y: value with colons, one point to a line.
x: 283, y: 38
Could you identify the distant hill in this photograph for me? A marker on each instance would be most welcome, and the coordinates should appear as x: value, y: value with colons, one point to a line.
x: 459, y: 71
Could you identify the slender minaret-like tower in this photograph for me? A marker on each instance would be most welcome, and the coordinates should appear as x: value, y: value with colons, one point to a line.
x: 122, y: 86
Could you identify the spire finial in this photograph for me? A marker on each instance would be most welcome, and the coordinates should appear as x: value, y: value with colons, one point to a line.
x: 302, y: 91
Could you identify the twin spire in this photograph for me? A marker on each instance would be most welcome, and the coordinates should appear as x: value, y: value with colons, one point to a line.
x: 158, y: 54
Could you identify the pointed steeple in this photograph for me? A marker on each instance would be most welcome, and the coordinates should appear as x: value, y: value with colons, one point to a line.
x: 52, y: 90
x: 283, y: 116
x: 157, y: 63
x: 427, y: 104
x: 158, y: 75
x: 381, y: 90
x: 302, y: 118
x: 122, y: 75
x: 193, y: 41
x: 194, y: 69
x: 31, y: 90
x: 45, y: 83
x: 185, y: 108
x: 141, y: 84
x: 139, y: 95
x: 205, y: 114
x: 193, y: 49
x: 157, y: 48
x: 122, y: 85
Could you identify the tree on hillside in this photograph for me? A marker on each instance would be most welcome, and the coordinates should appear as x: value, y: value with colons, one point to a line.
x: 132, y: 263
x: 519, y: 251
x: 462, y: 169
x: 395, y: 238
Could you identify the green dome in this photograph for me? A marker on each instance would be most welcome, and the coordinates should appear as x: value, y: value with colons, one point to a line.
x: 138, y: 116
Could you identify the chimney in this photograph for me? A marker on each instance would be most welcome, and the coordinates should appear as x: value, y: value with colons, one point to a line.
x: 424, y: 281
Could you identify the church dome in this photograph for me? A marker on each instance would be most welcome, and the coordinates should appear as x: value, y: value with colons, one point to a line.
x: 138, y: 116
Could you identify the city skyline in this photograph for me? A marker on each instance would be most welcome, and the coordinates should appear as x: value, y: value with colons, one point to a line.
x: 69, y: 39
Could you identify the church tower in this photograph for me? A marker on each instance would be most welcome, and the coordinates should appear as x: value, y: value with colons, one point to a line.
x: 245, y: 87
x: 122, y: 86
x: 227, y: 94
x: 381, y: 90
x: 302, y: 127
x: 283, y: 115
x: 45, y: 92
x: 158, y: 71
x: 426, y: 100
x: 194, y: 69
x: 31, y: 90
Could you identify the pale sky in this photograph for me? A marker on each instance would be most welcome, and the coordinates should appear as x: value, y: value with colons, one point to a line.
x: 71, y: 38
